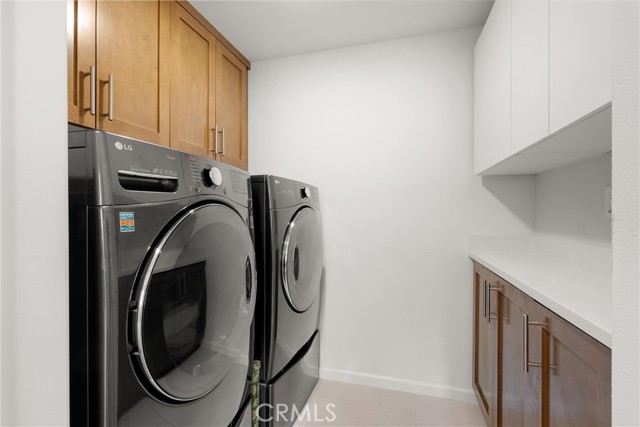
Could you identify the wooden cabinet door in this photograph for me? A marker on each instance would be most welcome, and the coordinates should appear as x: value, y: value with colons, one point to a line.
x: 521, y: 391
x: 492, y: 89
x: 529, y: 73
x: 579, y: 58
x: 133, y: 48
x: 193, y: 56
x: 580, y: 381
x: 485, y: 346
x: 231, y: 108
x: 81, y: 56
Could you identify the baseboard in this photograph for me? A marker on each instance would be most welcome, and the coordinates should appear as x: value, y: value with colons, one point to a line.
x: 398, y: 384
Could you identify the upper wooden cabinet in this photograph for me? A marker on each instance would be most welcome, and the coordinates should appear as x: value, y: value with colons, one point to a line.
x: 133, y: 69
x: 161, y: 73
x: 126, y: 44
x: 231, y: 105
x: 81, y: 61
x: 193, y: 85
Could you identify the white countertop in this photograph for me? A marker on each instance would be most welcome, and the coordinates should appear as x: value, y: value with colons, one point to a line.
x: 581, y: 297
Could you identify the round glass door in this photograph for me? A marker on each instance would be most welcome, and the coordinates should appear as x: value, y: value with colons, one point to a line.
x: 302, y: 259
x: 195, y: 302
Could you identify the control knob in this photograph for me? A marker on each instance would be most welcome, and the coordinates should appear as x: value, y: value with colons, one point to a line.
x: 212, y: 177
x: 305, y: 193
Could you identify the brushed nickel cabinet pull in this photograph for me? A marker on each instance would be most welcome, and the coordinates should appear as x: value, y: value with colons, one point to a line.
x: 484, y: 299
x: 490, y: 288
x: 111, y: 100
x: 214, y: 148
x: 525, y: 342
x: 216, y: 132
x: 525, y: 338
x: 223, y: 141
x: 110, y: 83
x: 92, y: 90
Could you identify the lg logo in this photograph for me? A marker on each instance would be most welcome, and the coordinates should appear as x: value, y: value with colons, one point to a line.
x: 120, y: 146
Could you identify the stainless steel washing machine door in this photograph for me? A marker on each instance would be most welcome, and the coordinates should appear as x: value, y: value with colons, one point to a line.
x: 302, y: 259
x: 193, y: 305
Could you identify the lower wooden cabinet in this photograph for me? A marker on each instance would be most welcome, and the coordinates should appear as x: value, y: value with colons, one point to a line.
x: 485, y: 344
x: 530, y: 366
x: 579, y: 377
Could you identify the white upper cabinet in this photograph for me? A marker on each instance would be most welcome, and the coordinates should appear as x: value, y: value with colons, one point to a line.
x: 529, y: 72
x: 492, y: 88
x: 542, y: 85
x: 580, y: 59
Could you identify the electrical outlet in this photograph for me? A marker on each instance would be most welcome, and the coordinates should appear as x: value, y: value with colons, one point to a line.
x: 608, y: 202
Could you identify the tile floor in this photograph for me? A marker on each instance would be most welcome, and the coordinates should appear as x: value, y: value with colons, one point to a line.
x: 357, y: 405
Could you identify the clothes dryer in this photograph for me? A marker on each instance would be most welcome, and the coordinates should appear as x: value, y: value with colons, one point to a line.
x: 289, y: 250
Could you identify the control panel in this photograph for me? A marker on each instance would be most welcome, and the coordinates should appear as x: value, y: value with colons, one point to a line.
x: 206, y: 176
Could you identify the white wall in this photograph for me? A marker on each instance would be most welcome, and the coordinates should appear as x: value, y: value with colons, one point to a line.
x: 570, y: 202
x: 626, y: 208
x: 33, y: 201
x: 385, y: 131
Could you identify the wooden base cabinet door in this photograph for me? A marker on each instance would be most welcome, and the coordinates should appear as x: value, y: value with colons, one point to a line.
x: 193, y: 93
x: 81, y: 61
x: 485, y: 348
x: 133, y: 68
x: 231, y: 108
x: 522, y: 379
x: 579, y: 379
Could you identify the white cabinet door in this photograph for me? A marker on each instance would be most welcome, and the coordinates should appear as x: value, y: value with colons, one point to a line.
x: 529, y: 72
x: 492, y: 89
x: 580, y: 59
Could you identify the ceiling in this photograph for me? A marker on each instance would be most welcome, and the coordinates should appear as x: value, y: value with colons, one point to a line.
x: 272, y: 29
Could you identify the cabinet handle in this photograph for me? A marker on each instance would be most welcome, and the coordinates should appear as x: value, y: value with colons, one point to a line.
x: 491, y: 288
x: 223, y: 141
x: 484, y: 299
x: 214, y: 150
x: 525, y: 341
x: 110, y: 83
x: 92, y: 90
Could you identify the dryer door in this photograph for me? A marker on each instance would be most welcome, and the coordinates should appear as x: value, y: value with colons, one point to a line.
x: 194, y: 304
x: 302, y: 259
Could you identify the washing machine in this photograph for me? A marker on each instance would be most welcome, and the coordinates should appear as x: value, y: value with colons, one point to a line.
x: 289, y: 250
x: 162, y: 286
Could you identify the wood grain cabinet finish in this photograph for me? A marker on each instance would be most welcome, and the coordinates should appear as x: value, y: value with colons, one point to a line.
x: 81, y: 60
x: 127, y: 45
x: 132, y: 41
x: 193, y: 85
x: 523, y: 357
x: 163, y: 74
x: 547, y: 372
x: 231, y: 105
x: 485, y: 344
x: 579, y: 384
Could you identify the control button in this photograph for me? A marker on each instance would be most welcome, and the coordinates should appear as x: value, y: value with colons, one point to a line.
x: 212, y: 177
x: 305, y: 193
